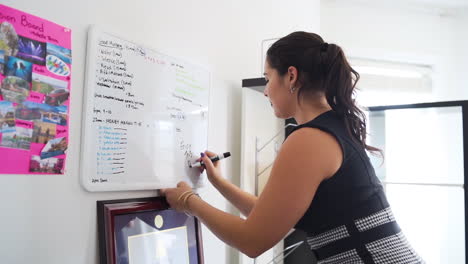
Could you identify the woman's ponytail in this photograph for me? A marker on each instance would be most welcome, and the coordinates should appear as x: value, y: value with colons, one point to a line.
x: 340, y: 84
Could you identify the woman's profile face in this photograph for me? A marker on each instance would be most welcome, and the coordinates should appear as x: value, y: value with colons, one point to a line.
x: 278, y: 92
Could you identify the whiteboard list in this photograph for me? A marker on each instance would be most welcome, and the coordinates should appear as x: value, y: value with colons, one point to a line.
x: 146, y: 116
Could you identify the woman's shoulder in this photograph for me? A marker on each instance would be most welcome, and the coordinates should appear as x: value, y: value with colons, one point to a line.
x: 311, y: 139
x: 310, y: 146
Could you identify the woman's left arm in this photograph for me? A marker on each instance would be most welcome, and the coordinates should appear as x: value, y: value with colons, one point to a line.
x: 306, y: 158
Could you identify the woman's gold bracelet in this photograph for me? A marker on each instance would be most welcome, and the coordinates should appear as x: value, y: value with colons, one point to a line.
x: 182, y: 195
x: 185, y: 205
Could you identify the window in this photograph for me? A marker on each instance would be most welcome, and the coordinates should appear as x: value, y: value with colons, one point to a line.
x: 390, y: 83
x: 423, y: 169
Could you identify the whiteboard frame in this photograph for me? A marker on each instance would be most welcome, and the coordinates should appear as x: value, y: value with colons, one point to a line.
x: 86, y: 128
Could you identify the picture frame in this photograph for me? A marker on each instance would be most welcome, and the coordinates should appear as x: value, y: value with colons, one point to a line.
x: 147, y: 230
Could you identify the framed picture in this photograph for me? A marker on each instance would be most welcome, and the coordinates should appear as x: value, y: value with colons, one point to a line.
x: 147, y: 230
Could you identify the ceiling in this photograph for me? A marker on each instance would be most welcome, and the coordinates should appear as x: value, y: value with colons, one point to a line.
x: 441, y: 3
x: 438, y: 3
x: 442, y: 7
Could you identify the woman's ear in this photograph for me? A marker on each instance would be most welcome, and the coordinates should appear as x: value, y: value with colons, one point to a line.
x: 293, y: 76
x: 292, y: 72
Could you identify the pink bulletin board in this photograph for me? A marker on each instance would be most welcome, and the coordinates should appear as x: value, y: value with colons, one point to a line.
x: 35, y: 78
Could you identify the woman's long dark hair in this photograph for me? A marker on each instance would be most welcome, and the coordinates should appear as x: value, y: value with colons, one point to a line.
x: 322, y: 69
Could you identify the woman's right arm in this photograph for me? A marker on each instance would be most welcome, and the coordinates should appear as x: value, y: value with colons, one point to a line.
x: 242, y: 200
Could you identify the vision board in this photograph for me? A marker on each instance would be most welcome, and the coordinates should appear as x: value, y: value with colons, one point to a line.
x: 146, y: 115
x: 35, y: 86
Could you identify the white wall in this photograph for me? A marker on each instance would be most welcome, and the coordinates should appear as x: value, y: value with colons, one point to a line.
x: 395, y: 33
x: 52, y: 219
x: 460, y: 55
x: 258, y: 122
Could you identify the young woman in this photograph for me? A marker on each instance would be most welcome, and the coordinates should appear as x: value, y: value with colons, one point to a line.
x: 322, y: 181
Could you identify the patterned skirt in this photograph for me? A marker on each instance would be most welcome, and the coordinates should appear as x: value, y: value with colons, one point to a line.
x: 376, y: 238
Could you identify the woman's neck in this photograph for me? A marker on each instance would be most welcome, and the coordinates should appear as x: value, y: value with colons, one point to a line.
x: 310, y: 110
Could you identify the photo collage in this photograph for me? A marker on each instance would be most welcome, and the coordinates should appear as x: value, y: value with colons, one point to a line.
x: 34, y: 98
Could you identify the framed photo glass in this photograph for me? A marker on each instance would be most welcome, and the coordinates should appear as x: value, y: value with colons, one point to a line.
x: 147, y: 231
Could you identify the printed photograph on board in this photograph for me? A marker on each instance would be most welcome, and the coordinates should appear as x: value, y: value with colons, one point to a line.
x: 50, y: 165
x: 55, y: 115
x: 57, y: 66
x: 7, y: 117
x: 8, y: 39
x: 31, y: 50
x: 14, y: 89
x: 19, y: 139
x: 60, y: 52
x: 29, y: 114
x: 54, y: 147
x: 19, y: 68
x: 43, y: 132
x: 45, y: 84
x: 55, y: 118
x: 57, y: 97
x: 2, y: 62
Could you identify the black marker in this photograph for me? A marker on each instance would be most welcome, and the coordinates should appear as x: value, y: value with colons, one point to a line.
x: 213, y: 159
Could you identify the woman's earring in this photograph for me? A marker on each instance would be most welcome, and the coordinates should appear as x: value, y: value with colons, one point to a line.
x: 291, y: 90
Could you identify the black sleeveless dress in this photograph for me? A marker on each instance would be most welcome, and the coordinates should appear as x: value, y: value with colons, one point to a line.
x: 349, y: 219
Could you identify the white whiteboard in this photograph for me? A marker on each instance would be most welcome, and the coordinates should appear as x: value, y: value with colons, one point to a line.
x: 145, y: 119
